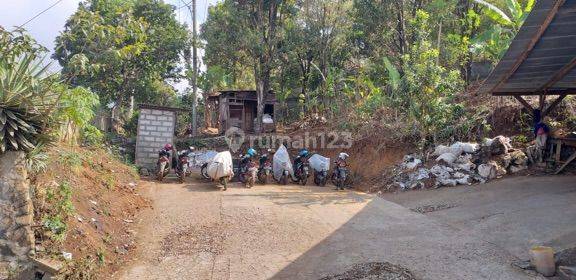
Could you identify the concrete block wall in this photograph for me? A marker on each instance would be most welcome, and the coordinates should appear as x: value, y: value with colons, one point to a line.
x: 155, y: 129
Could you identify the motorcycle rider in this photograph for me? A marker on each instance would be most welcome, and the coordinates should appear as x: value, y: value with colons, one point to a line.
x: 300, y: 158
x: 246, y: 159
x: 167, y: 151
x: 164, y: 166
x: 340, y: 164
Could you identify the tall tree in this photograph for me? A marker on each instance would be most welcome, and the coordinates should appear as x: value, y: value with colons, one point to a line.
x: 121, y: 49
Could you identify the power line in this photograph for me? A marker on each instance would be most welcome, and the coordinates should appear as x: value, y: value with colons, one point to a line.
x: 183, y: 6
x: 45, y: 10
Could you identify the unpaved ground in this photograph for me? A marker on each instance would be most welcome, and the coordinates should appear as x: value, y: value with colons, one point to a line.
x: 514, y: 213
x: 290, y: 232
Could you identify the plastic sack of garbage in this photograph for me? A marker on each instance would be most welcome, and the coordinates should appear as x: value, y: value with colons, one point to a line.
x: 319, y: 163
x: 220, y: 166
x: 203, y: 157
x: 281, y: 161
x: 266, y: 118
x: 469, y: 148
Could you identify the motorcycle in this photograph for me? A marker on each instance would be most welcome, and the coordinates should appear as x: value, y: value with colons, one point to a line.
x: 320, y: 177
x: 283, y: 180
x: 247, y: 174
x: 204, y: 171
x: 162, y: 167
x: 182, y: 167
x: 302, y: 172
x: 264, y: 171
x: 339, y: 176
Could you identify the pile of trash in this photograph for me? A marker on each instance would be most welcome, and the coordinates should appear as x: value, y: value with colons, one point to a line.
x: 459, y: 164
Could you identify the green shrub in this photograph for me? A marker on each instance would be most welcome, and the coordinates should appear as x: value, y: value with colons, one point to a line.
x: 60, y: 198
x: 92, y: 136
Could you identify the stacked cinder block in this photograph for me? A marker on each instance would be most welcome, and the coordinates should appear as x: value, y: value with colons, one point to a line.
x: 155, y: 129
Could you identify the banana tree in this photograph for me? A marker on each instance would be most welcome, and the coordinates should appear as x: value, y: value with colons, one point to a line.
x: 492, y: 43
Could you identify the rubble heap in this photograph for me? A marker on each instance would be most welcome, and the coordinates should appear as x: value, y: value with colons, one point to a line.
x: 459, y: 164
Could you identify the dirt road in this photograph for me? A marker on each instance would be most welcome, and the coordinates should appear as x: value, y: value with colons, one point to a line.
x: 196, y: 231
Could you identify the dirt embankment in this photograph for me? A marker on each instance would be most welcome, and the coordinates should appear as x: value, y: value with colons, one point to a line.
x: 85, y: 204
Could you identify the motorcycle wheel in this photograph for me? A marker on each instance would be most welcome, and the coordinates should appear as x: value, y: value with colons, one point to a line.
x: 160, y: 174
x: 323, y: 182
x: 263, y: 178
x: 304, y: 179
x: 181, y: 176
x: 334, y: 179
x: 204, y: 171
x: 242, y: 178
x: 316, y: 181
x: 284, y: 179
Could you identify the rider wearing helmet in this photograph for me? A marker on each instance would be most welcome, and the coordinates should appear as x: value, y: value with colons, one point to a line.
x: 166, y: 151
x: 341, y: 160
x: 247, y: 158
x: 301, y: 156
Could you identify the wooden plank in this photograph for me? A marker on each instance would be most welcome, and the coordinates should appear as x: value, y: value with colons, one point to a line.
x: 524, y: 103
x: 572, y: 157
x: 559, y: 75
x: 558, y: 151
x: 532, y: 93
x: 553, y: 105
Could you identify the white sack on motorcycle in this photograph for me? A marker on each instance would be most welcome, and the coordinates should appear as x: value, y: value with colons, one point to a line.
x: 281, y: 161
x: 220, y: 166
x: 319, y: 163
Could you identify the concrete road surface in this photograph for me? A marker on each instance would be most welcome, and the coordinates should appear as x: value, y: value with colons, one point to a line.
x: 197, y: 231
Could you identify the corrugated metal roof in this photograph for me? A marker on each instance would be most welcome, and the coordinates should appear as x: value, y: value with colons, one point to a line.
x: 541, y: 59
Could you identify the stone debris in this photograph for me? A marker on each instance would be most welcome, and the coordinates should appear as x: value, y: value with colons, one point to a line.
x: 461, y: 163
x: 432, y: 208
x: 375, y: 271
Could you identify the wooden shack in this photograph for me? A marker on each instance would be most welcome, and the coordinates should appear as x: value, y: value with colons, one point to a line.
x: 238, y: 108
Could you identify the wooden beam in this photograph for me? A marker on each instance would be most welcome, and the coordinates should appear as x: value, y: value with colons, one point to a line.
x: 571, y: 91
x: 549, y: 17
x: 553, y: 104
x: 559, y: 75
x: 525, y: 103
x: 572, y: 157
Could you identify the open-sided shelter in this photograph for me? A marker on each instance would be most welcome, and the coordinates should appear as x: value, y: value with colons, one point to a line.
x: 541, y: 59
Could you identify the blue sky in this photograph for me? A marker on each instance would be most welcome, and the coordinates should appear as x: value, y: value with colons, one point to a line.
x: 47, y: 26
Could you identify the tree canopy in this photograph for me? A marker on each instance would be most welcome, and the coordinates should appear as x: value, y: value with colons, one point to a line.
x: 120, y: 49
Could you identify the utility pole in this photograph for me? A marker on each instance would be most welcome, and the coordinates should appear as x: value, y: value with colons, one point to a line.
x: 194, y: 80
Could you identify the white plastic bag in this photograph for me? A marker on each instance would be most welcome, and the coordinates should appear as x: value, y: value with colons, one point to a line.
x: 469, y: 148
x: 204, y: 157
x: 319, y: 163
x: 220, y: 166
x: 266, y: 118
x: 281, y: 161
x: 448, y: 158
